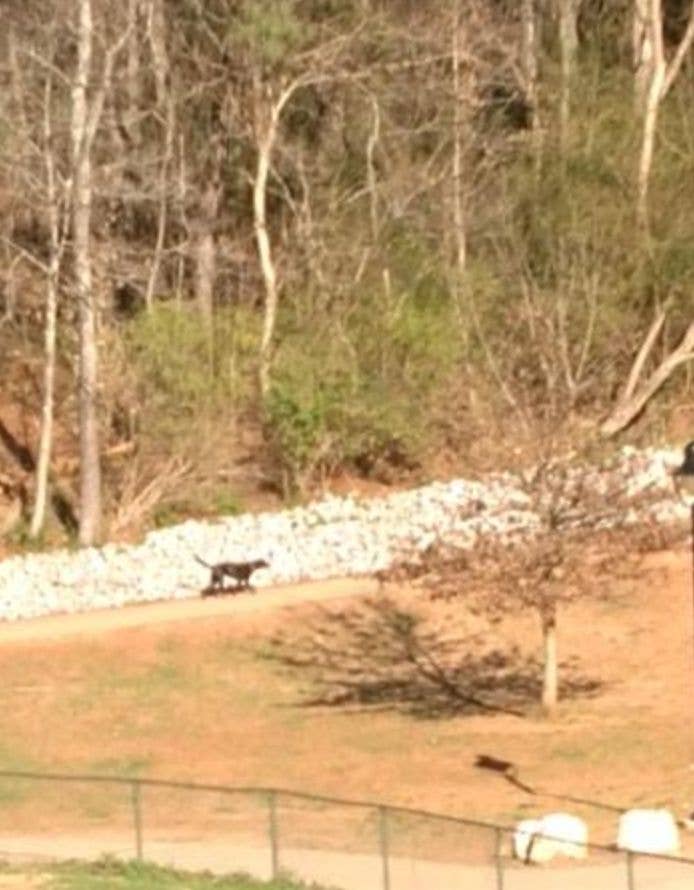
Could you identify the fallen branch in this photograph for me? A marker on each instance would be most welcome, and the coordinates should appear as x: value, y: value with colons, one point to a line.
x: 633, y: 400
x: 138, y: 499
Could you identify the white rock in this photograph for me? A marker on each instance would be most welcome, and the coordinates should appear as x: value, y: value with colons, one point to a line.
x: 569, y: 832
x: 556, y: 834
x: 526, y: 832
x: 333, y: 536
x: 648, y: 831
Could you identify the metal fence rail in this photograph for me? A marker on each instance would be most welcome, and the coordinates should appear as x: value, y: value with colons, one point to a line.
x: 352, y: 844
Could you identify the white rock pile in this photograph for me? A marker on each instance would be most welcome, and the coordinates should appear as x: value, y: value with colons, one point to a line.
x: 648, y: 831
x: 333, y: 537
x: 556, y: 834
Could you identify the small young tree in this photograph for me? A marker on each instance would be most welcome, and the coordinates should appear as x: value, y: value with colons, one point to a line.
x: 584, y: 530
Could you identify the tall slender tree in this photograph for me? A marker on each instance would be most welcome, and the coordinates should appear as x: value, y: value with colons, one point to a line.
x: 90, y: 469
x: 55, y: 198
x: 88, y: 94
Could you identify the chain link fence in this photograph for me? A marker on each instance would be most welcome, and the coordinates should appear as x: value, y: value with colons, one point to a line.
x: 265, y: 832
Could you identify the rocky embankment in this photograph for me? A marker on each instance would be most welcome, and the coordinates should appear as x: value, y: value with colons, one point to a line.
x: 333, y: 537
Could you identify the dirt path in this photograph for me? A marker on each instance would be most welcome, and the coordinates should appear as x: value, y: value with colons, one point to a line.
x: 55, y: 627
x: 353, y: 871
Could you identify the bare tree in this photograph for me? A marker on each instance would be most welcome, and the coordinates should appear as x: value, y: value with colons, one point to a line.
x: 640, y: 387
x: 642, y: 52
x: 90, y: 478
x: 204, y: 237
x: 529, y: 67
x: 56, y: 204
x: 655, y: 78
x: 169, y: 124
x: 568, y: 43
x: 570, y: 552
x: 267, y: 123
x: 87, y: 107
x: 459, y: 99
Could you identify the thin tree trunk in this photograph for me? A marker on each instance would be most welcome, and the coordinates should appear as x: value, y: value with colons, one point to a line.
x: 459, y: 229
x: 661, y: 78
x: 568, y: 41
x: 267, y: 264
x: 371, y: 144
x: 163, y: 205
x: 205, y: 243
x: 633, y: 401
x: 90, y: 471
x: 133, y: 76
x: 180, y: 208
x: 156, y: 33
x: 156, y: 36
x: 85, y: 116
x: 205, y: 256
x: 641, y: 52
x: 653, y: 98
x: 530, y: 71
x: 266, y: 143
x: 550, y: 675
x: 56, y: 244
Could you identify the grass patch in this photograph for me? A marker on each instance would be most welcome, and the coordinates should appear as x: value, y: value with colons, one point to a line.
x: 635, y: 741
x: 150, y: 683
x: 14, y: 791
x: 109, y: 874
x: 121, y: 767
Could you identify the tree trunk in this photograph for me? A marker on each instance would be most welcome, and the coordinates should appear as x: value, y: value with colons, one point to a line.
x: 530, y: 69
x: 371, y: 178
x: 133, y: 75
x: 205, y: 271
x: 205, y: 244
x: 156, y: 34
x: 653, y: 97
x: 46, y: 439
x: 162, y: 217
x: 568, y: 41
x: 267, y: 125
x: 459, y: 229
x: 266, y: 262
x: 653, y: 89
x: 634, y: 399
x: 550, y: 674
x: 90, y: 471
x: 641, y: 53
x: 56, y: 248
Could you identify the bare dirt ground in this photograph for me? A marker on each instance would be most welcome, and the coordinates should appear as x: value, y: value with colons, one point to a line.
x: 355, y: 871
x: 185, y: 690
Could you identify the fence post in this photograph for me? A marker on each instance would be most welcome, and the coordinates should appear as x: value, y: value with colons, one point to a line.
x: 631, y: 883
x: 384, y: 844
x: 136, y: 800
x: 499, y: 859
x: 272, y: 827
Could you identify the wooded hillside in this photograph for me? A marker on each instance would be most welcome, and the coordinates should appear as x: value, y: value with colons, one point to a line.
x: 250, y: 244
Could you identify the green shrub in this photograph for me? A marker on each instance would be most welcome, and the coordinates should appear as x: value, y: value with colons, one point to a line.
x: 185, y: 370
x: 110, y: 874
x: 360, y: 397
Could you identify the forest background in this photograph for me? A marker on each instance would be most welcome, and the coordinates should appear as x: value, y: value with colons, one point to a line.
x: 249, y: 247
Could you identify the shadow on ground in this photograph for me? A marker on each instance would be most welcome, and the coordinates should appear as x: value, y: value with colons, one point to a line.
x: 379, y: 655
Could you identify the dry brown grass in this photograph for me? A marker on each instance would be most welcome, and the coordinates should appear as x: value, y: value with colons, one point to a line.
x: 199, y: 700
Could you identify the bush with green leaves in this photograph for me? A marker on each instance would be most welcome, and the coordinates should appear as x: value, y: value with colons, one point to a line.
x: 185, y: 368
x: 358, y: 395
